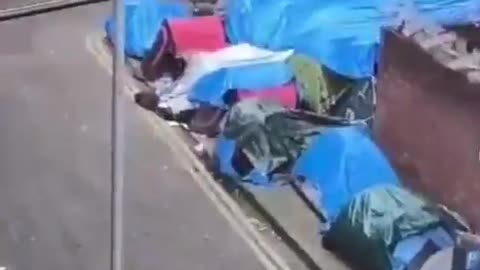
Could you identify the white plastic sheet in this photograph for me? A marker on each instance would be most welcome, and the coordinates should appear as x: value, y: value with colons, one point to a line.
x: 202, y: 64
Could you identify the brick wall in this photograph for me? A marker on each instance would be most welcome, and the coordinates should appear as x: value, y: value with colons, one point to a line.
x: 428, y: 123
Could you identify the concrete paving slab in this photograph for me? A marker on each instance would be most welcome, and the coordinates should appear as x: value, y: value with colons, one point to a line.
x: 299, y: 222
x: 54, y: 166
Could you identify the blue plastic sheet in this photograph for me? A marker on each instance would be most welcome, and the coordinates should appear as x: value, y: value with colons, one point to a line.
x: 212, y: 88
x: 143, y: 20
x: 343, y: 35
x: 341, y: 163
x: 225, y: 150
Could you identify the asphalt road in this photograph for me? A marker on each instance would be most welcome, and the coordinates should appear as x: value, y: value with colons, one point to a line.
x: 54, y: 165
x: 8, y: 4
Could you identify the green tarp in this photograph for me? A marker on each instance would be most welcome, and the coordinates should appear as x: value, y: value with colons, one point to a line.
x: 268, y: 134
x: 368, y: 229
x: 272, y: 136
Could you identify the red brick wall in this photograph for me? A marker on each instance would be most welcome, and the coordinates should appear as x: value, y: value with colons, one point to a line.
x: 428, y: 123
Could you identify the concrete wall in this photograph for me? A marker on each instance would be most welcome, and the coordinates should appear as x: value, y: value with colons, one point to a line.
x: 428, y: 122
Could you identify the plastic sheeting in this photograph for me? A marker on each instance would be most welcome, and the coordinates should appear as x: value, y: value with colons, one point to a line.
x: 369, y: 228
x: 143, y: 20
x: 342, y: 162
x: 225, y: 151
x: 212, y: 88
x: 343, y: 35
x: 211, y: 75
x: 270, y: 137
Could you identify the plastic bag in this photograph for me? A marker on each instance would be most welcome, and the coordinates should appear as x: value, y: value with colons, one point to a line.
x: 143, y: 20
x: 343, y: 35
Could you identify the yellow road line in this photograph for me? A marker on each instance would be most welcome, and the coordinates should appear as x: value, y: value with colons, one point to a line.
x: 223, y: 202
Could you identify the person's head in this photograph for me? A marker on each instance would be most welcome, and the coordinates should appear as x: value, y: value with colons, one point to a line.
x: 147, y: 100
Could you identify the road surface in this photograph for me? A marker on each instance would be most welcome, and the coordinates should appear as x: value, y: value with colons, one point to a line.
x: 54, y: 165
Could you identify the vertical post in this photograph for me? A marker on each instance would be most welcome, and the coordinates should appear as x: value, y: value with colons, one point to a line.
x: 117, y: 140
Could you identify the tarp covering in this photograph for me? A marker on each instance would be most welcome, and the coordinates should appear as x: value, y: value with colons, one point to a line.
x: 212, y: 88
x: 143, y: 20
x: 209, y: 75
x: 374, y: 222
x: 269, y: 135
x: 343, y: 35
x: 341, y: 163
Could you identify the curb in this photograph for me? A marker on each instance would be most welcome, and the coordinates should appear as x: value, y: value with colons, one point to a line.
x: 229, y: 208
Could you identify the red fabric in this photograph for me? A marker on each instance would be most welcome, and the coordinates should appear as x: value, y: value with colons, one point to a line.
x: 285, y: 95
x: 198, y: 34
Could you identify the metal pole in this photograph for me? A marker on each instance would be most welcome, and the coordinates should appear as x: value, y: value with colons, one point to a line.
x: 117, y: 140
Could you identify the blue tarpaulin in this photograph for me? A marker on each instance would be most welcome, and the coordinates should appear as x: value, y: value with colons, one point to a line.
x: 212, y: 88
x: 143, y: 20
x: 341, y: 163
x: 225, y: 150
x: 343, y: 35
